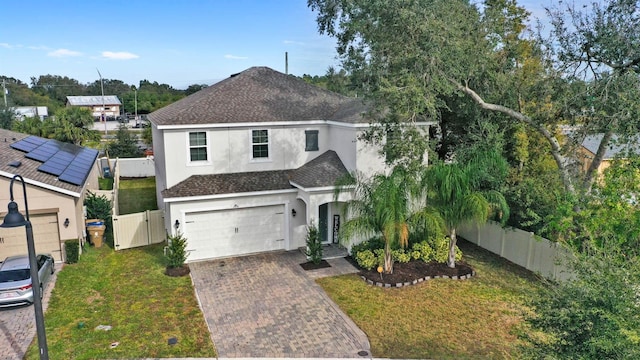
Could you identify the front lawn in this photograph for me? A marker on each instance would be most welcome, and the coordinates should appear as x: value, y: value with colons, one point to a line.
x: 137, y: 195
x: 442, y: 319
x: 128, y: 291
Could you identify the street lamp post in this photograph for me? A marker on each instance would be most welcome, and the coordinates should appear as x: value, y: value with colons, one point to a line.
x: 15, y: 219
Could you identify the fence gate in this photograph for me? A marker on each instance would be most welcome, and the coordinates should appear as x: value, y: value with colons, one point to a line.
x: 139, y: 229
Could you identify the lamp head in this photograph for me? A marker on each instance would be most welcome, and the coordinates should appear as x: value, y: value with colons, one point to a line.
x: 13, y: 217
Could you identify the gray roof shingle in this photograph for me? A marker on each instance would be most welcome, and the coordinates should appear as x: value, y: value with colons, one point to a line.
x: 93, y: 100
x: 325, y: 170
x: 322, y: 171
x: 616, y: 145
x: 260, y: 94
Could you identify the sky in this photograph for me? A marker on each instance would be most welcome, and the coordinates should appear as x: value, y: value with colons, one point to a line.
x: 175, y: 42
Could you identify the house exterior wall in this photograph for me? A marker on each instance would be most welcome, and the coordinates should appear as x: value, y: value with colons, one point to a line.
x: 43, y: 201
x: 229, y: 150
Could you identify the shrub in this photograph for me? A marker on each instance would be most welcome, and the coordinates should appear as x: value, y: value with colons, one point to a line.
x: 98, y: 207
x: 441, y: 253
x: 366, y: 259
x: 72, y: 250
x: 314, y: 245
x: 422, y: 251
x: 371, y: 244
x: 400, y: 256
x: 176, y: 251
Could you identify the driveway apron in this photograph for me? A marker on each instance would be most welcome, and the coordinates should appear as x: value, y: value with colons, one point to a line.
x: 18, y: 325
x: 266, y: 305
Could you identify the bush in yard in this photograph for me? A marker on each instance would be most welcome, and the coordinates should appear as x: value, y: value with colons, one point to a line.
x: 176, y: 251
x: 72, y: 250
x: 422, y: 251
x: 366, y: 259
x: 98, y: 207
x: 441, y: 251
x: 314, y: 246
x: 399, y: 255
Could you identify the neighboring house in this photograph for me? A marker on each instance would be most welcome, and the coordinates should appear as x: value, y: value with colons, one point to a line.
x: 109, y: 105
x: 23, y: 112
x: 589, y: 147
x: 243, y: 166
x: 57, y: 176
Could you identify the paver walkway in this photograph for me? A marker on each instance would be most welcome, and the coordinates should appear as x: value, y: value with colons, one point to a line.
x: 266, y: 305
x: 18, y: 325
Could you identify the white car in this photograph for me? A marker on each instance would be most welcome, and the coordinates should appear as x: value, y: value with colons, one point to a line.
x: 15, y: 279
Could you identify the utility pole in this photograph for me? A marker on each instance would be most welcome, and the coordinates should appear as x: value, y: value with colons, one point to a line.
x: 103, y: 118
x: 4, y: 92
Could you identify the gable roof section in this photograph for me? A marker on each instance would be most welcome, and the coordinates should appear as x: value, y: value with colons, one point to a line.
x: 29, y: 166
x: 616, y: 145
x: 93, y: 100
x: 260, y: 94
x: 322, y: 171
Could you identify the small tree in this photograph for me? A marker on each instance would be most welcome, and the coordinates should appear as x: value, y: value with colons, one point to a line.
x: 176, y: 251
x: 125, y: 145
x: 314, y: 245
x: 98, y: 207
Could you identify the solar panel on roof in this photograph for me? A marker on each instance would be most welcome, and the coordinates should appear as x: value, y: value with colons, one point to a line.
x: 29, y: 143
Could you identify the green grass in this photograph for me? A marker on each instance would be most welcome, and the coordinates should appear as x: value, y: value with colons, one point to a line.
x: 105, y: 183
x: 442, y: 319
x: 129, y: 291
x: 137, y: 195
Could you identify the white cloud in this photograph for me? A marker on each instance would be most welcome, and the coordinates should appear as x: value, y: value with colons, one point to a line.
x: 5, y: 45
x: 234, y: 57
x: 64, y: 53
x: 121, y: 55
x: 37, y: 47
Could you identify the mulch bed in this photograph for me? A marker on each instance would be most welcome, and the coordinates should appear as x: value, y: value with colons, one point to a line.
x: 177, y: 271
x: 415, y: 271
x: 311, y: 266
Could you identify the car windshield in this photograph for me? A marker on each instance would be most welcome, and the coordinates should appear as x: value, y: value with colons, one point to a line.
x: 14, y: 275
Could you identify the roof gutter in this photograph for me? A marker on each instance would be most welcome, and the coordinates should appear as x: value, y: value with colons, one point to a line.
x: 42, y: 185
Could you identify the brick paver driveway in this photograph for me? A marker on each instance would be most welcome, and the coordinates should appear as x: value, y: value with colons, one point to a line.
x: 266, y: 305
x: 18, y: 325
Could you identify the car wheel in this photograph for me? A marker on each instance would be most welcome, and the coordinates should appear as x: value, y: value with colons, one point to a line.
x: 41, y: 292
x: 53, y: 267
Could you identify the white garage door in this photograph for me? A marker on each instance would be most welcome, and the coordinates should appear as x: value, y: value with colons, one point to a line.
x: 217, y: 234
x: 13, y: 241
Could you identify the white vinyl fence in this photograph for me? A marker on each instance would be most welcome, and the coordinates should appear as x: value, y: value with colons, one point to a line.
x: 520, y: 247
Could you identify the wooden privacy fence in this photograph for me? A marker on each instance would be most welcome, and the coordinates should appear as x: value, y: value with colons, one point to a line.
x: 520, y: 247
x: 139, y: 229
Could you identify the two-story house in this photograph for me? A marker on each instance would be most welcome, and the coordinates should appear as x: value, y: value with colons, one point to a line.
x: 108, y: 105
x: 243, y: 166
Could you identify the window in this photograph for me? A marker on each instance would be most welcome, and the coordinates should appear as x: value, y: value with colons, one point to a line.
x: 311, y: 140
x: 260, y: 144
x: 198, y: 146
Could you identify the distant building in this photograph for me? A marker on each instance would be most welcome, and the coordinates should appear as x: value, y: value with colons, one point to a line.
x: 23, y: 112
x: 108, y: 104
x: 617, y: 147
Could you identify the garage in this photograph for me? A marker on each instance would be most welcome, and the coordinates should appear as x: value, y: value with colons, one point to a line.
x: 222, y: 233
x: 13, y: 241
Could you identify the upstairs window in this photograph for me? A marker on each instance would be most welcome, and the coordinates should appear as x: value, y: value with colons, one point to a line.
x: 311, y: 140
x: 260, y: 144
x: 198, y: 146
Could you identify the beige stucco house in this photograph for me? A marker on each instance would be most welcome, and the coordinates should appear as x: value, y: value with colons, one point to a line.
x: 243, y: 166
x: 57, y: 177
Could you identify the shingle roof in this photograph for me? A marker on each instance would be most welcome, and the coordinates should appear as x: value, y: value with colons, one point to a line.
x: 325, y: 170
x: 616, y: 145
x: 28, y: 168
x: 322, y: 171
x: 260, y: 94
x: 93, y: 100
x: 216, y: 184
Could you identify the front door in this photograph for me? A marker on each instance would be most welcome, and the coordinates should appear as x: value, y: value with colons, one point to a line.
x: 323, y: 223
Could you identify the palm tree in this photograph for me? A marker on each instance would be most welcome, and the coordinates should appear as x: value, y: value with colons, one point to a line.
x: 381, y: 206
x: 459, y: 193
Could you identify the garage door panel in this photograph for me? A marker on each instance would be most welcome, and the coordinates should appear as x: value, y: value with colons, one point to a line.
x: 234, y: 232
x: 13, y: 241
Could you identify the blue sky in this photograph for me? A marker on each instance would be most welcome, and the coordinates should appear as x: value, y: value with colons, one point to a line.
x: 177, y: 42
